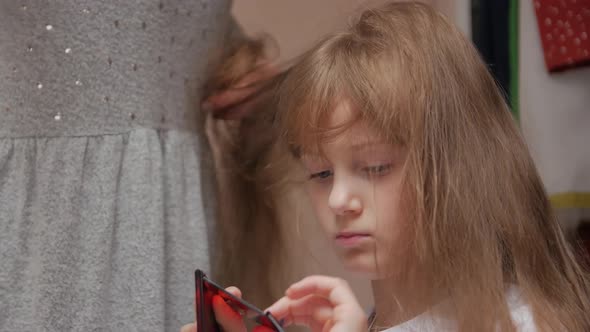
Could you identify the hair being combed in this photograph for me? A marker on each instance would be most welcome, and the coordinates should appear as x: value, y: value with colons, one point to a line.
x: 247, y: 247
x: 481, y: 214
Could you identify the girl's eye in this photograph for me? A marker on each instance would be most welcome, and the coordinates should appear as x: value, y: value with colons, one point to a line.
x: 320, y: 175
x: 377, y: 170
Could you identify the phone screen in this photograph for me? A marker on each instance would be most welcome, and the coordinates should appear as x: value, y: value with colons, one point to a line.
x: 206, y: 322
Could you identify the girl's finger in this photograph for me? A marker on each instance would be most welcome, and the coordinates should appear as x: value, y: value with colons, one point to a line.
x: 189, y: 328
x: 317, y: 308
x: 309, y: 322
x: 336, y: 290
x: 235, y: 291
x: 229, y: 319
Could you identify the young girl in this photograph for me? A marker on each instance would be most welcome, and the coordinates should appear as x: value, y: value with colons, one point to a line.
x: 421, y: 178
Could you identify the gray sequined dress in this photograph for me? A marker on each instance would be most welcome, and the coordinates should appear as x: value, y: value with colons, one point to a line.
x: 101, y: 212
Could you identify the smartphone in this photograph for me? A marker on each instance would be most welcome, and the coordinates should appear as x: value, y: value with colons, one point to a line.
x: 205, y: 290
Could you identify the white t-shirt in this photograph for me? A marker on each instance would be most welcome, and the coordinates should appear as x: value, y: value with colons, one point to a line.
x: 519, y: 310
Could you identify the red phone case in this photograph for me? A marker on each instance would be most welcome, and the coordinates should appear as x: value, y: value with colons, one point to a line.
x: 206, y: 289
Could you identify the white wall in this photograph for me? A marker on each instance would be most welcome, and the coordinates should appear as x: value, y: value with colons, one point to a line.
x: 555, y: 117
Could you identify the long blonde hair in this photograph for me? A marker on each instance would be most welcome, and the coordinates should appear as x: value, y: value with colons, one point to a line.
x: 481, y: 214
x: 247, y: 247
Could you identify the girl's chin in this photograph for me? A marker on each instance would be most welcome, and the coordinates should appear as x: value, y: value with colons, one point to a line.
x: 361, y: 268
x: 364, y: 266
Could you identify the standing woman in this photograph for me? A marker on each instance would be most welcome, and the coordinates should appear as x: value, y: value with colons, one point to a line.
x: 101, y: 206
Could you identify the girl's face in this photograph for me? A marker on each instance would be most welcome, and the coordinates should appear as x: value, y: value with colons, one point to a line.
x: 355, y: 188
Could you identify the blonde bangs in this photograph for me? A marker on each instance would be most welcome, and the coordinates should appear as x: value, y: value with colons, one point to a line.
x: 306, y: 97
x: 343, y: 68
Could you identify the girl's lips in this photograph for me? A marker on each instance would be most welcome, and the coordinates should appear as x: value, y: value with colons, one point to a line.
x: 350, y: 240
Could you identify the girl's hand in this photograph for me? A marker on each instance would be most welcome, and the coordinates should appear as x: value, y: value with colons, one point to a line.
x: 324, y: 304
x: 229, y: 320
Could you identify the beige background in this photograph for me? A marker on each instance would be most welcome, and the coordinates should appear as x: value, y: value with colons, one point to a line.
x: 296, y: 25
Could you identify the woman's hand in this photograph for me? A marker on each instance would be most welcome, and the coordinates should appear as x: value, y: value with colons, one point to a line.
x: 240, y: 99
x: 324, y: 304
x: 238, y: 123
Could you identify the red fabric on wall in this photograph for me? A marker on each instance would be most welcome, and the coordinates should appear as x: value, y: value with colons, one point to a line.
x: 564, y: 26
